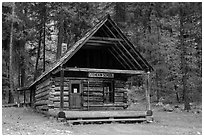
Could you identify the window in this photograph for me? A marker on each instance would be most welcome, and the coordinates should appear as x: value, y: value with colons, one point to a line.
x: 75, y: 88
x: 108, y: 92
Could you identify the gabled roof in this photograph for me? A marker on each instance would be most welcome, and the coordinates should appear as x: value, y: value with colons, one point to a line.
x: 134, y: 55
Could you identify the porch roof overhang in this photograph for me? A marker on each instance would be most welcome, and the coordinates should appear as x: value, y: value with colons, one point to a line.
x: 131, y: 72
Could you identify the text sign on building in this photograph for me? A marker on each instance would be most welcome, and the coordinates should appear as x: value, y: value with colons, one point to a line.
x: 101, y: 75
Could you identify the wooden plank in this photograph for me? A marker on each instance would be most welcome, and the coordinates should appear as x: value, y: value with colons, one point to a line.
x: 97, y: 99
x: 131, y: 57
x: 42, y: 94
x: 119, y: 99
x: 46, y: 88
x: 117, y: 59
x: 96, y: 45
x: 10, y: 105
x: 42, y: 84
x: 115, y: 55
x: 120, y: 90
x: 106, y: 120
x: 106, y: 113
x: 92, y: 80
x: 57, y: 104
x: 92, y: 88
x: 45, y: 107
x: 119, y: 94
x: 118, y: 48
x: 119, y: 84
x: 58, y: 101
x: 100, y: 41
x: 106, y: 70
x: 130, y: 44
x: 57, y: 79
x: 41, y: 102
x: 57, y: 83
x: 93, y: 103
x: 42, y: 87
x: 120, y: 54
x: 59, y: 88
x: 120, y: 102
x: 43, y: 97
x: 93, y: 84
x: 57, y: 93
x: 106, y: 39
x: 58, y: 98
x: 93, y: 93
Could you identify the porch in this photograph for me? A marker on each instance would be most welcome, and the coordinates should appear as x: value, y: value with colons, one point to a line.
x: 100, y: 116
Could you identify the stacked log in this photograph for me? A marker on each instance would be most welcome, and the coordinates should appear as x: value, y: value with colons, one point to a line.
x: 51, y: 96
x: 42, y: 94
x: 55, y: 95
x: 92, y: 93
x: 120, y: 92
x: 48, y: 93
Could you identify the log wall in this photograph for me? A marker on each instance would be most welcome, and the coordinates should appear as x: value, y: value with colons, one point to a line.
x: 47, y: 94
x: 120, y: 92
x: 55, y: 93
x: 92, y: 93
x: 42, y: 94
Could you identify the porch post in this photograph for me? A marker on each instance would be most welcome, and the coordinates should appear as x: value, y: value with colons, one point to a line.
x: 149, y: 113
x: 148, y: 107
x: 88, y: 96
x: 61, y: 88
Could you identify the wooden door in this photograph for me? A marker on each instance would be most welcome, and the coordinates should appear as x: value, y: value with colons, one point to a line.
x: 75, y: 95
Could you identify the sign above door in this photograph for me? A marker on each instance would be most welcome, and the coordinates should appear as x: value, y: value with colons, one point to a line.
x: 100, y: 75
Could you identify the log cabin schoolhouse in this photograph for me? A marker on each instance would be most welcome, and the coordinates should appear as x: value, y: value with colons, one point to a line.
x: 92, y: 73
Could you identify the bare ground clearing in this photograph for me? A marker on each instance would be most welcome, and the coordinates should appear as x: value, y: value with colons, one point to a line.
x: 25, y: 121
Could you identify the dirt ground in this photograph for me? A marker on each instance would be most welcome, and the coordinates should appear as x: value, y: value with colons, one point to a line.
x: 24, y: 121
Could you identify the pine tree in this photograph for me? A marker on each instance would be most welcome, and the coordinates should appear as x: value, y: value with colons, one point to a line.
x: 11, y: 56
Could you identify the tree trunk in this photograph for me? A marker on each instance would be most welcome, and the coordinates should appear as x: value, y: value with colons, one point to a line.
x: 157, y: 74
x: 183, y: 62
x: 44, y: 36
x: 38, y: 55
x: 22, y: 43
x: 60, y: 39
x: 11, y: 91
x: 120, y: 13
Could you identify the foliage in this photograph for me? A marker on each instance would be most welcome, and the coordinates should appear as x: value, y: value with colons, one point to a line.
x: 154, y: 28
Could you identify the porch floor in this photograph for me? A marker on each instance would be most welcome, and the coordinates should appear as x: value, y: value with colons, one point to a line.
x: 105, y: 113
x: 104, y: 116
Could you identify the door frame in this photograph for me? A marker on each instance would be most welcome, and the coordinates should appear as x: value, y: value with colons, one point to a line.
x: 80, y: 92
x: 111, y: 82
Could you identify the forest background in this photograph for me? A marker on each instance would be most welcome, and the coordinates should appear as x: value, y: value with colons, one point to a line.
x: 168, y: 35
